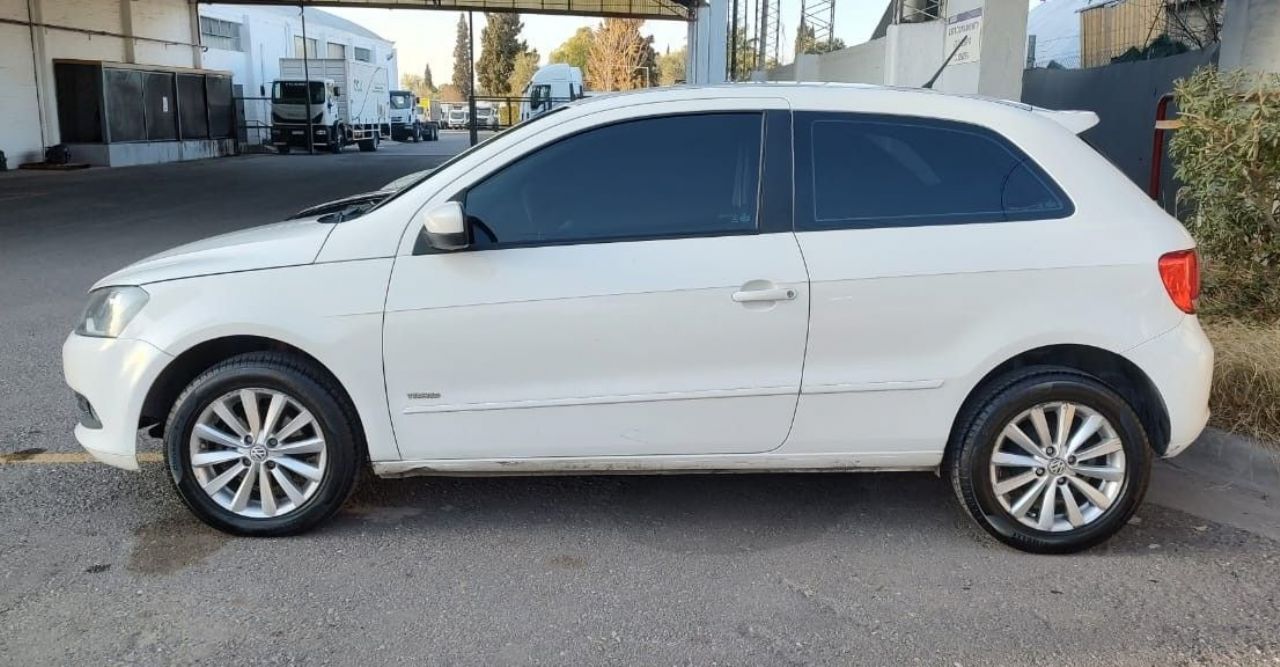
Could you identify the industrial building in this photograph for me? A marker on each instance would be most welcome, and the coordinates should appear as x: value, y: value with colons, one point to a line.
x: 137, y: 81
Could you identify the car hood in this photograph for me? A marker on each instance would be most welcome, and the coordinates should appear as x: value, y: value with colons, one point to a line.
x: 289, y: 243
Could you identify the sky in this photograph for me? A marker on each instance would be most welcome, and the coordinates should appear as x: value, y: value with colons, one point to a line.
x: 427, y: 36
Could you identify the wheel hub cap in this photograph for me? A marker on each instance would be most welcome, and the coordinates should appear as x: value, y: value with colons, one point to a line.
x: 1057, y: 467
x: 258, y: 453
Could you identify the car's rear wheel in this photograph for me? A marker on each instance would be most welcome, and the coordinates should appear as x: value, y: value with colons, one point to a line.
x: 262, y: 445
x: 1052, y: 461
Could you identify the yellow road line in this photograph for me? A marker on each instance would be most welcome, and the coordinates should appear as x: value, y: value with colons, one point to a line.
x: 47, y: 458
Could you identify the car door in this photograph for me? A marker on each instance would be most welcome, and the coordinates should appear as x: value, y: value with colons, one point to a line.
x: 631, y: 289
x: 926, y: 246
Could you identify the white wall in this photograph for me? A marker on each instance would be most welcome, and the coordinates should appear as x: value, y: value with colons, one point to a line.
x: 27, y: 92
x: 267, y: 35
x: 1251, y: 35
x: 910, y: 53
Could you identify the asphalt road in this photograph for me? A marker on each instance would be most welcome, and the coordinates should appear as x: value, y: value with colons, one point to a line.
x: 102, y: 566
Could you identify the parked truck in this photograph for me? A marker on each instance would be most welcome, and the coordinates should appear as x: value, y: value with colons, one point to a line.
x: 552, y: 85
x: 410, y: 118
x: 347, y: 101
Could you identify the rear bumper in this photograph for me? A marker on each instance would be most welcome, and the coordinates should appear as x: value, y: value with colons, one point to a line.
x: 1180, y: 364
x: 113, y: 376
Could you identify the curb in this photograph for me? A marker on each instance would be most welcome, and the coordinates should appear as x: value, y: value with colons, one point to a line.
x: 1225, y: 478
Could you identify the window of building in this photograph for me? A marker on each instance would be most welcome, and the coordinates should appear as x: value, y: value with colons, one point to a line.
x: 312, y: 47
x: 661, y: 177
x: 219, y: 34
x: 338, y: 51
x: 880, y: 171
x: 363, y: 55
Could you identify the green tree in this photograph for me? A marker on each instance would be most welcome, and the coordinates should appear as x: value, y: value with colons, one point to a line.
x: 618, y: 55
x: 499, y: 45
x: 747, y: 53
x: 427, y: 81
x: 451, y: 94
x: 807, y: 41
x: 415, y: 84
x: 575, y: 50
x: 462, y: 57
x: 671, y: 68
x: 525, y: 67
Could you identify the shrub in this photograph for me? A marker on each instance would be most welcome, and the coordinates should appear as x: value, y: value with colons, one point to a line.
x: 1246, y: 378
x: 1227, y: 153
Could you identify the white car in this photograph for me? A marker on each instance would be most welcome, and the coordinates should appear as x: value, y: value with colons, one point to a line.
x: 775, y: 278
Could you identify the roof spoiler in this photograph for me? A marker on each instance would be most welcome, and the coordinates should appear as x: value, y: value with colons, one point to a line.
x: 1076, y: 121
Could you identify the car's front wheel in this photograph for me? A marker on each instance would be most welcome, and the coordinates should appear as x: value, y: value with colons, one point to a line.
x: 1052, y: 461
x: 262, y: 444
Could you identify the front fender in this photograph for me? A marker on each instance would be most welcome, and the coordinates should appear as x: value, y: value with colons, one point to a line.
x: 332, y: 312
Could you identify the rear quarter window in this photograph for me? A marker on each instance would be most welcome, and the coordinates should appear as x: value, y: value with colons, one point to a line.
x: 858, y: 171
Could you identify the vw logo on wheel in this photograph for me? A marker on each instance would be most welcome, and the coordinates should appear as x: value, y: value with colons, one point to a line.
x: 258, y: 453
x: 1057, y: 467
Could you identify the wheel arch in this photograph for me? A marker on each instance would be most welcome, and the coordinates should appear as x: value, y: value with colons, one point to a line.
x: 198, y: 358
x: 1118, y: 373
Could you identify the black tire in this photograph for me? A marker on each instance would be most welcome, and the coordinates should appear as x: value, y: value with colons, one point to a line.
x: 283, y: 149
x: 313, y: 390
x: 337, y: 139
x: 368, y: 145
x: 969, y: 457
x: 417, y: 134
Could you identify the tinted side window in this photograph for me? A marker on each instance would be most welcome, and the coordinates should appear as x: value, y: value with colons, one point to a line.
x: 671, y: 176
x: 879, y: 171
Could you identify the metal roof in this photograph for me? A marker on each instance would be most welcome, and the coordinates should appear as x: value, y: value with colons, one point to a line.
x: 675, y: 10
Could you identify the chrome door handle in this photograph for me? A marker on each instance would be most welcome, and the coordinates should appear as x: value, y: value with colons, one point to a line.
x: 771, y: 294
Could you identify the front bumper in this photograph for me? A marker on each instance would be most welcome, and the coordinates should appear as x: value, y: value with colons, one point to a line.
x: 296, y: 135
x: 1180, y: 364
x: 113, y: 376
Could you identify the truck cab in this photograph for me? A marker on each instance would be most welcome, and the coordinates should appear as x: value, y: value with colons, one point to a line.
x: 551, y: 86
x: 409, y: 119
x: 341, y: 102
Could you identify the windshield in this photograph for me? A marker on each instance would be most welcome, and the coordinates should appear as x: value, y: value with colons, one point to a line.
x: 457, y: 114
x: 401, y: 100
x: 427, y: 174
x: 294, y: 92
x: 540, y: 94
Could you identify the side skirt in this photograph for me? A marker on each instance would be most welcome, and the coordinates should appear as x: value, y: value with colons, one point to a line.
x: 648, y: 465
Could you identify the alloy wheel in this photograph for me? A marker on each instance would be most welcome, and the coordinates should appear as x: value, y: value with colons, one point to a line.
x: 1057, y: 466
x: 258, y: 453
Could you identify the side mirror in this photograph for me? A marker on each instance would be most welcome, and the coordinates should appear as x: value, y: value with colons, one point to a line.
x: 337, y: 91
x: 446, y: 227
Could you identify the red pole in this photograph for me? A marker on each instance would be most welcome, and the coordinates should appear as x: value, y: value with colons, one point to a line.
x: 1157, y: 147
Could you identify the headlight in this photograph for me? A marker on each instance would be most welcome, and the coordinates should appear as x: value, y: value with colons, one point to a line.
x: 110, y: 310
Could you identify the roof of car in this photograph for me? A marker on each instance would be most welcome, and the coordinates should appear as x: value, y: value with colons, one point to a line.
x: 824, y: 95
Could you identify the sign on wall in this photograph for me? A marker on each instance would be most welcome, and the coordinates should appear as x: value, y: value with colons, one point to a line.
x: 965, y: 24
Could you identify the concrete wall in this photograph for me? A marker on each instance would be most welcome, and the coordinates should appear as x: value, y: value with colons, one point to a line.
x: 1251, y: 35
x: 862, y: 63
x: 27, y: 101
x: 910, y: 53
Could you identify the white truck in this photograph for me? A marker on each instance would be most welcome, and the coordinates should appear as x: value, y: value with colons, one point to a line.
x: 347, y: 101
x: 410, y: 120
x: 551, y: 86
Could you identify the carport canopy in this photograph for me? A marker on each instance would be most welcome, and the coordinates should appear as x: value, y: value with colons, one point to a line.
x: 671, y: 10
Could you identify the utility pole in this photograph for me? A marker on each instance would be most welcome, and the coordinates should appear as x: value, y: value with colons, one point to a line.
x: 306, y: 84
x: 471, y: 67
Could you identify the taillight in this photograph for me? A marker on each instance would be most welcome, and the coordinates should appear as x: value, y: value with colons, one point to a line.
x: 1180, y: 272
